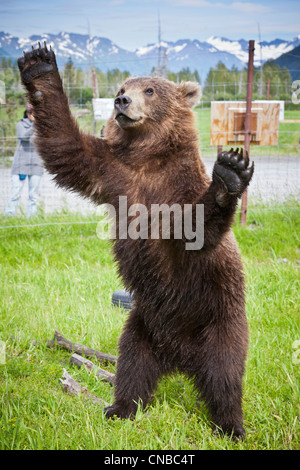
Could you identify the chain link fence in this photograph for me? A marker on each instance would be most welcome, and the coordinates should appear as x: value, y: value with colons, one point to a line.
x: 277, y: 167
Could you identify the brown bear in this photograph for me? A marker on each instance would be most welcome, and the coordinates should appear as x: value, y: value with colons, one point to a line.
x: 189, y: 304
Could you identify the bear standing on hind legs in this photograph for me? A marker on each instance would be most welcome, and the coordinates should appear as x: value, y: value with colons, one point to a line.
x: 189, y: 305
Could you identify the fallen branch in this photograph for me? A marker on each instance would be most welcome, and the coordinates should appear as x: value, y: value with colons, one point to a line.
x: 59, y: 340
x: 101, y: 373
x: 73, y: 388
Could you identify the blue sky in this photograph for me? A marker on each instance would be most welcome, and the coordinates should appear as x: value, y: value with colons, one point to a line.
x: 134, y: 23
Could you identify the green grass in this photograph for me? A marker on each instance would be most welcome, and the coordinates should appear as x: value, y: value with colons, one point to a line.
x: 62, y: 277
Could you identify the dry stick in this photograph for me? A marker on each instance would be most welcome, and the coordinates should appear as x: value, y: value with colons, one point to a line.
x: 73, y: 388
x: 102, y: 374
x: 69, y: 384
x: 80, y: 349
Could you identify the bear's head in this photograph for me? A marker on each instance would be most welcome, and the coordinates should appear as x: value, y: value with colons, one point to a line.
x: 152, y: 116
x: 145, y: 101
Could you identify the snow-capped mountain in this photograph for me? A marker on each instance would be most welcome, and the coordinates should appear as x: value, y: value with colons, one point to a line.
x: 196, y: 55
x: 263, y: 50
x: 81, y: 48
x: 86, y: 51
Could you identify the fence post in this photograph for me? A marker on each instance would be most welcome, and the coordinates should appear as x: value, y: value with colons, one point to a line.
x: 248, y: 124
x: 95, y: 94
x: 268, y: 88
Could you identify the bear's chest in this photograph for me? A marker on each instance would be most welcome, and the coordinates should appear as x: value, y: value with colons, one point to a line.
x: 158, y: 185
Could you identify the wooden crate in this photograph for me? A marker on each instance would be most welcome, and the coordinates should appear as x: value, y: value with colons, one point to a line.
x: 228, y: 120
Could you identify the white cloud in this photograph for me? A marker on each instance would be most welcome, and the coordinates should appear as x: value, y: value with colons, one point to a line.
x: 244, y: 7
x: 247, y: 7
x: 193, y: 3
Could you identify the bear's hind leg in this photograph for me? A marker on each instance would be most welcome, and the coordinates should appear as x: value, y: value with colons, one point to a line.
x: 218, y: 373
x: 138, y: 370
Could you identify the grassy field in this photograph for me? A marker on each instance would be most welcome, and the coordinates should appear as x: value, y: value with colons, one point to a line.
x: 62, y: 277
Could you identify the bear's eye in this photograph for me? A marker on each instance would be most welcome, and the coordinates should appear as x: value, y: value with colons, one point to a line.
x: 149, y: 91
x: 121, y: 92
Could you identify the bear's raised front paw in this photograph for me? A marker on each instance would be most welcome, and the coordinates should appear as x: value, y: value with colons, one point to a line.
x: 36, y: 63
x: 232, y: 168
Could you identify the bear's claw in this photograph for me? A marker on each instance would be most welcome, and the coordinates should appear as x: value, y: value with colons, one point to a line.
x: 37, y: 62
x: 232, y: 168
x: 115, y: 411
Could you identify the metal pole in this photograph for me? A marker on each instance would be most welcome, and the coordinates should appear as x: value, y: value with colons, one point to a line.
x: 95, y: 93
x: 268, y: 88
x: 248, y: 124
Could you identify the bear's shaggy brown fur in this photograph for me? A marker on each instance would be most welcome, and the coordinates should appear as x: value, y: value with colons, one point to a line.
x: 189, y: 312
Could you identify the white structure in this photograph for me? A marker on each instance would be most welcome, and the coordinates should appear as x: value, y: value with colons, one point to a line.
x: 103, y: 108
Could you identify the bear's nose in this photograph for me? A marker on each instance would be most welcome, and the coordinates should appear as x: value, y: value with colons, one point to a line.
x: 121, y: 102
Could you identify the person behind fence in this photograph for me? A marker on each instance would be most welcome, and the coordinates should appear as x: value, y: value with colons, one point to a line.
x: 26, y: 164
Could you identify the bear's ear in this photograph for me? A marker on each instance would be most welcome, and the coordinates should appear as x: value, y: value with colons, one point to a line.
x: 191, y: 91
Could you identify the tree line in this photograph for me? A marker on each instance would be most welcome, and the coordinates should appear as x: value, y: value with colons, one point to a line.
x: 221, y: 83
x: 269, y: 82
